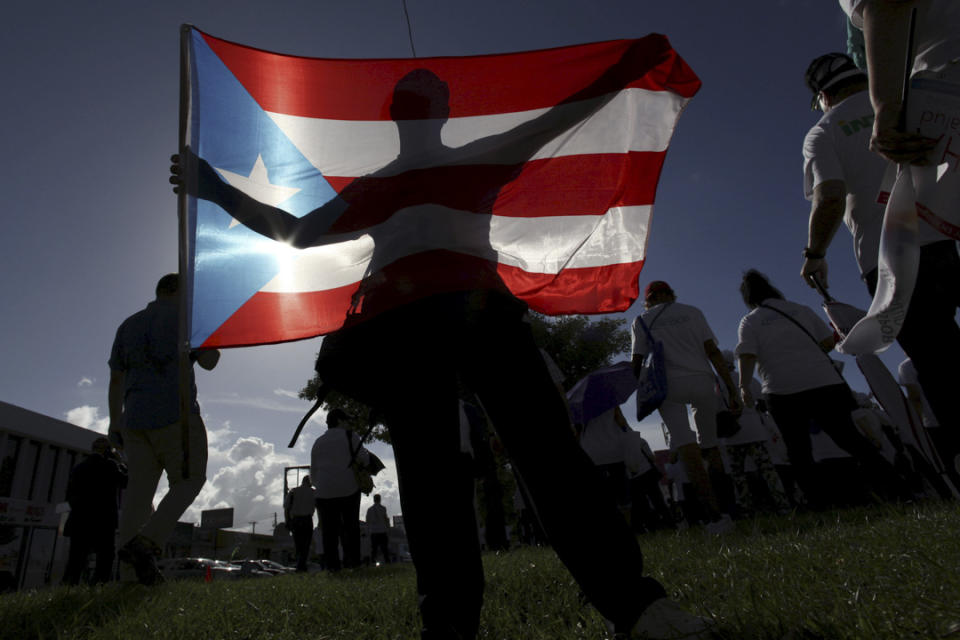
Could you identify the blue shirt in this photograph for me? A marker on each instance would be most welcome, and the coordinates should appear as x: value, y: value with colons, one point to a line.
x: 145, y: 351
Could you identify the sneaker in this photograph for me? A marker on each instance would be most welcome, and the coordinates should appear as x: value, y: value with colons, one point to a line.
x: 721, y: 526
x: 141, y: 552
x: 665, y: 620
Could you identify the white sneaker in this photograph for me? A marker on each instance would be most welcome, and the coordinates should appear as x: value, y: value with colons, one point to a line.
x: 721, y: 526
x: 665, y: 620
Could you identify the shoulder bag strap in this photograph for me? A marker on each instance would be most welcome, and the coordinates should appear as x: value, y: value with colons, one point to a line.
x: 809, y: 335
x: 363, y: 439
x: 646, y: 328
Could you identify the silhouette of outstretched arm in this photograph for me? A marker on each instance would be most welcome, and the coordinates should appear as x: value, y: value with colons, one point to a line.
x: 265, y: 219
x: 524, y: 140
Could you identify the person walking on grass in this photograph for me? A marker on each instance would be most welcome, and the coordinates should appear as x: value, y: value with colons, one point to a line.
x: 378, y: 524
x: 749, y: 442
x: 788, y: 344
x: 842, y: 178
x: 145, y: 422
x: 298, y: 512
x: 337, y: 493
x: 692, y: 357
x: 92, y: 491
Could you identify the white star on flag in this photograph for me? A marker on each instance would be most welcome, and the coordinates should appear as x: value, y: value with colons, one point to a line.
x: 257, y: 185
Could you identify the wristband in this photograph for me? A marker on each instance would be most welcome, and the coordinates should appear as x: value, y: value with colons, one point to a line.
x: 812, y: 255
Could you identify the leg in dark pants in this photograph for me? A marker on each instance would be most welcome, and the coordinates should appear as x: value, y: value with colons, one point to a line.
x: 930, y: 335
x: 379, y: 542
x: 580, y: 518
x: 80, y: 548
x: 350, y: 529
x: 436, y: 493
x: 302, y: 529
x: 330, y: 531
x: 794, y: 425
x: 426, y: 348
x: 830, y: 407
x: 104, y: 547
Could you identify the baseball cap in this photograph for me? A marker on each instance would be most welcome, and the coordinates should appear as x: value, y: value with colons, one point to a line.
x: 829, y: 69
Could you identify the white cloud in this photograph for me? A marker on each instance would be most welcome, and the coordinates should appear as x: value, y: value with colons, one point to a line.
x: 286, y: 394
x: 246, y: 473
x: 254, y: 402
x: 85, y: 382
x: 89, y: 418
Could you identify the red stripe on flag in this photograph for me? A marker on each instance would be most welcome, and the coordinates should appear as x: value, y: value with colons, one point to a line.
x: 294, y: 316
x: 588, y: 184
x: 283, y: 317
x: 479, y: 85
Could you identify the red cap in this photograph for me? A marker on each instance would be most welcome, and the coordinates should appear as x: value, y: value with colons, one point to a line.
x: 656, y: 287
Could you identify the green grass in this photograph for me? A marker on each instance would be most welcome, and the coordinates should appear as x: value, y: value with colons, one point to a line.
x: 884, y: 572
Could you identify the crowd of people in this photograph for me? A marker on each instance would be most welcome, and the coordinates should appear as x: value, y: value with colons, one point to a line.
x: 435, y: 348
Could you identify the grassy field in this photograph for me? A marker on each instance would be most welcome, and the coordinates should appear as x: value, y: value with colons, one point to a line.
x: 882, y: 572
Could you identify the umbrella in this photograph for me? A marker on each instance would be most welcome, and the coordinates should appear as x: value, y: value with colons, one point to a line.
x: 601, y: 390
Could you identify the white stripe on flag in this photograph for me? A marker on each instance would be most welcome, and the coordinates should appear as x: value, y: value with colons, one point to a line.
x: 536, y: 245
x: 635, y: 120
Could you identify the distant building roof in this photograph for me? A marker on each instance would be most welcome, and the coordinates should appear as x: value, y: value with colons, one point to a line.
x: 20, y: 421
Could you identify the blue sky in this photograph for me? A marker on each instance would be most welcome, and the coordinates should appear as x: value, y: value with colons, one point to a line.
x: 90, y: 119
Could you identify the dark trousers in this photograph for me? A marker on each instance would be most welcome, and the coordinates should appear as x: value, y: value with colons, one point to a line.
x: 424, y: 350
x: 828, y: 407
x: 81, y: 546
x: 340, y: 526
x: 302, y: 529
x: 930, y: 335
x: 379, y: 541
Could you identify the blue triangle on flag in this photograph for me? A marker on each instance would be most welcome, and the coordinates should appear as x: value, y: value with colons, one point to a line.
x: 230, y: 130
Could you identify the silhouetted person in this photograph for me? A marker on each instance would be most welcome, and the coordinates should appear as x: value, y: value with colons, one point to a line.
x: 337, y: 493
x: 463, y: 325
x: 92, y: 491
x: 378, y: 524
x: 144, y: 400
x: 298, y: 511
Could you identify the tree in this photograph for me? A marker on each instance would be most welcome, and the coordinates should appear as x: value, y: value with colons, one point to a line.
x: 577, y: 344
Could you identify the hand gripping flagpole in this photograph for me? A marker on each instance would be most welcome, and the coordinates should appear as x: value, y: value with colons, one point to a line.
x: 183, y: 244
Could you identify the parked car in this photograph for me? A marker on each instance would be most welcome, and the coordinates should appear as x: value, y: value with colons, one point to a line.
x: 185, y: 568
x: 253, y: 569
x: 275, y: 567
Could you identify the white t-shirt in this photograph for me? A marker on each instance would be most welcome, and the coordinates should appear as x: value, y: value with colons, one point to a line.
x: 602, y: 439
x: 907, y: 375
x: 837, y: 148
x: 788, y: 361
x: 938, y: 31
x: 683, y: 330
x: 329, y: 464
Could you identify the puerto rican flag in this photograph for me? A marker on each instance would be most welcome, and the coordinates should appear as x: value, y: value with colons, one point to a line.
x: 562, y: 224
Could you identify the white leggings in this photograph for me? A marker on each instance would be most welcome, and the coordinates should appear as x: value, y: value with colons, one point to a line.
x: 698, y: 391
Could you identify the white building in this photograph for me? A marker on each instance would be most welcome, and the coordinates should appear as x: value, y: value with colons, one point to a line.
x: 37, y: 453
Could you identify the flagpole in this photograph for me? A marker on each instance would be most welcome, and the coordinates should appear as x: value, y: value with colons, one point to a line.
x: 184, y: 339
